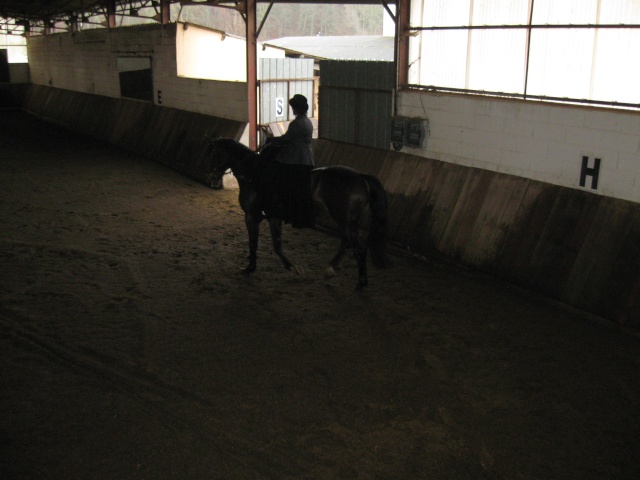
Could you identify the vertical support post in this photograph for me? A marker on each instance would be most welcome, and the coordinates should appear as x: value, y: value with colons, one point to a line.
x: 528, y: 49
x: 73, y: 23
x: 111, y: 14
x: 252, y: 67
x: 402, y: 39
x: 165, y: 12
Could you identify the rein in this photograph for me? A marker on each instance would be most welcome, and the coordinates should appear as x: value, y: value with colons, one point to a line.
x: 239, y: 159
x: 240, y: 162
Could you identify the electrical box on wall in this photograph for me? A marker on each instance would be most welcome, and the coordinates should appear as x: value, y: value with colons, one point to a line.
x: 407, y: 132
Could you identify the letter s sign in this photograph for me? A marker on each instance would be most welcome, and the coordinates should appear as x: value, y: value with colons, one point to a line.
x: 279, y: 107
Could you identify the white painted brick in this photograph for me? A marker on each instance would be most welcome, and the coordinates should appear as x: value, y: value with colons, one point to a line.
x: 520, y: 160
x: 509, y: 143
x: 491, y: 123
x: 436, y: 102
x: 502, y: 107
x: 519, y: 172
x: 486, y: 157
x: 623, y: 142
x: 459, y: 149
x: 93, y: 54
x: 446, y: 132
x: 611, y: 182
x: 586, y: 138
x: 629, y: 122
x: 565, y: 173
x: 471, y: 136
x: 548, y: 132
x: 475, y: 155
x: 552, y: 170
x: 562, y: 150
x: 479, y: 106
x: 453, y: 103
x: 530, y: 145
x: 453, y: 119
x: 629, y: 163
x: 468, y: 121
x: 601, y: 119
x: 409, y: 111
x: 435, y: 146
x: 540, y: 113
x: 518, y: 128
x: 520, y: 112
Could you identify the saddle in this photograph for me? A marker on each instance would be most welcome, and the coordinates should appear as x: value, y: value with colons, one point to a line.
x: 284, y: 190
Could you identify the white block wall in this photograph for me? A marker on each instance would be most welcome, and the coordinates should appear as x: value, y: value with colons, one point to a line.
x: 87, y: 62
x: 541, y: 141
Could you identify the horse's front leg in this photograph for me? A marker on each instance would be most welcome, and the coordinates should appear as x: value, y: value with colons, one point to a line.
x: 253, y: 229
x: 275, y: 225
x: 360, y: 252
x: 359, y: 244
x: 337, y: 258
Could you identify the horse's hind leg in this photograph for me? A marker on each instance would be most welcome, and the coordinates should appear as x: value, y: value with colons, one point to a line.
x: 360, y: 252
x: 275, y: 226
x: 253, y: 229
x: 352, y: 239
x: 359, y: 244
x: 337, y: 258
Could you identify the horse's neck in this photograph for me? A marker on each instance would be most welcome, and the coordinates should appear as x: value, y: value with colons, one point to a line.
x: 242, y: 160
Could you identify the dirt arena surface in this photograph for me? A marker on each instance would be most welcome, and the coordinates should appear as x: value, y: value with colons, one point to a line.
x: 133, y: 347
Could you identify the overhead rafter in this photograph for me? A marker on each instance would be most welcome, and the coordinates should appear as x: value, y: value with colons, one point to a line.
x: 39, y: 9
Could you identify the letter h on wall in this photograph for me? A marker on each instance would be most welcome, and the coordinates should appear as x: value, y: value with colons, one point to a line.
x: 592, y: 172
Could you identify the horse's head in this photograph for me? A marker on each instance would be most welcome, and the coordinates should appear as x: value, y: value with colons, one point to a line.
x: 228, y: 154
x: 222, y: 158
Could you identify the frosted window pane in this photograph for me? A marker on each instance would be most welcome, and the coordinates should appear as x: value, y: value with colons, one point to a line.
x: 560, y: 63
x: 443, y: 58
x: 617, y: 71
x: 564, y: 12
x: 619, y: 11
x: 439, y: 13
x: 497, y: 60
x: 501, y: 12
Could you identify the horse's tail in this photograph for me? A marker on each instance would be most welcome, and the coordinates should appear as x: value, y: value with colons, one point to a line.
x: 378, y: 232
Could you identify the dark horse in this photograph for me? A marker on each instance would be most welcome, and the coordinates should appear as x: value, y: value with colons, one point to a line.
x: 356, y: 202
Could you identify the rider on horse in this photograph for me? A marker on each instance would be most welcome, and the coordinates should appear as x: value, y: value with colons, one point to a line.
x: 287, y: 178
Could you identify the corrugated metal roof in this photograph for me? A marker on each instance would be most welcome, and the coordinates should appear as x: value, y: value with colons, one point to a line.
x: 362, y: 47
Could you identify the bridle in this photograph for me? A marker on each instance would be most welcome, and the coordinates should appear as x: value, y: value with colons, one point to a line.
x: 229, y: 170
x: 241, y: 162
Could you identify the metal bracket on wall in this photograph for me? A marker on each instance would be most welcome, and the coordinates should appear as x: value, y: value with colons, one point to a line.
x: 408, y: 132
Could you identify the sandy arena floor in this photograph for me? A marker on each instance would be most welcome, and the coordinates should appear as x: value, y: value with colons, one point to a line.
x: 133, y: 348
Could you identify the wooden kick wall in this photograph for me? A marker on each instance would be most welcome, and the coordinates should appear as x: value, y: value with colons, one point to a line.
x: 570, y: 245
x: 567, y: 244
x: 169, y: 136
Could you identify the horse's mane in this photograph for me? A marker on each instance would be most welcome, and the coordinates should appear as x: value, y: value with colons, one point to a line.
x: 246, y: 163
x: 232, y: 144
x: 243, y: 160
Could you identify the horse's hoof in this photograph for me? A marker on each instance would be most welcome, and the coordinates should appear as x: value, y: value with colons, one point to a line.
x: 360, y: 286
x: 248, y: 271
x: 298, y: 269
x: 330, y: 271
